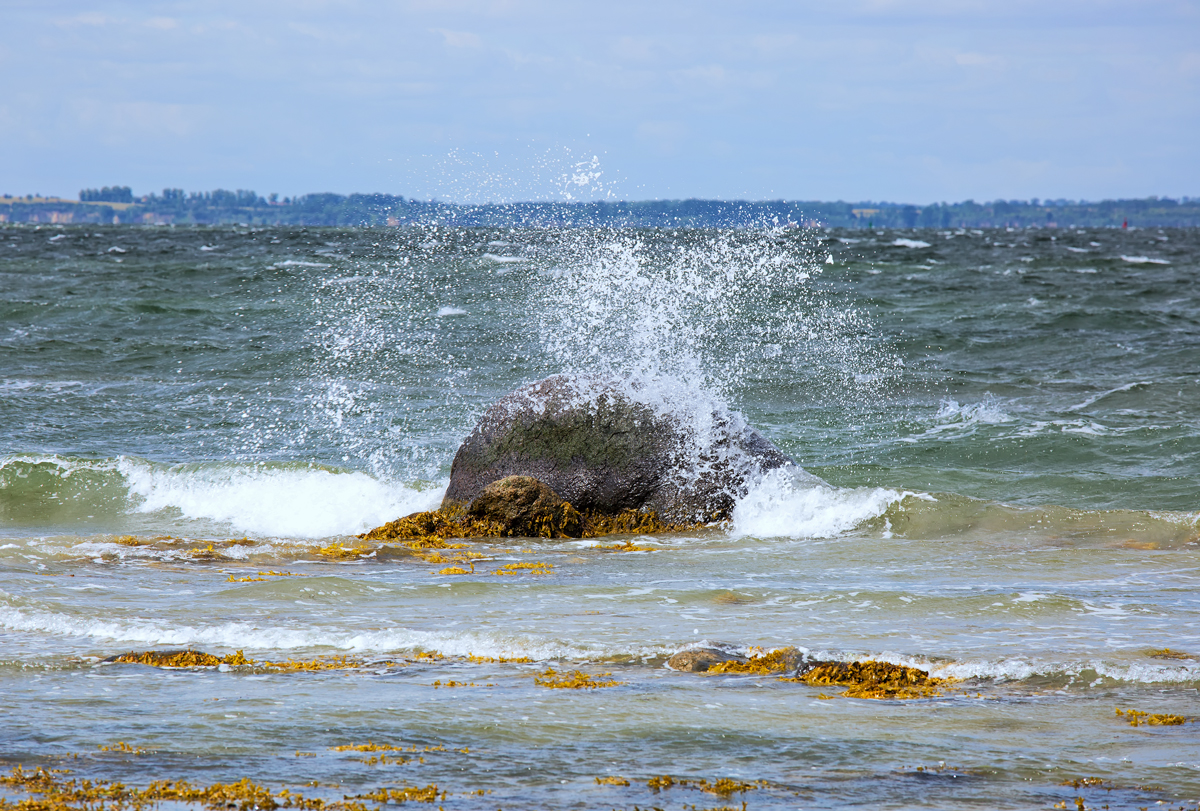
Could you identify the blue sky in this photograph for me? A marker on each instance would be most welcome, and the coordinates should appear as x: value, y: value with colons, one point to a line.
x: 916, y: 101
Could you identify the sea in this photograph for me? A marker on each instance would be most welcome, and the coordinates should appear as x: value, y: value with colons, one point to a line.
x: 997, y: 439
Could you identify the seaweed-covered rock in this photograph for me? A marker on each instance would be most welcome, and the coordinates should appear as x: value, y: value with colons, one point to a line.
x: 524, y: 506
x: 699, y: 660
x: 600, y: 446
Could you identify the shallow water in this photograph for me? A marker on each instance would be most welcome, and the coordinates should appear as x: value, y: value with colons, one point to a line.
x: 1005, y: 424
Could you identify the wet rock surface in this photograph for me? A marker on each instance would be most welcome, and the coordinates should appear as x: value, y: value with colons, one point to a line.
x: 595, y: 446
x: 699, y: 660
x: 524, y: 506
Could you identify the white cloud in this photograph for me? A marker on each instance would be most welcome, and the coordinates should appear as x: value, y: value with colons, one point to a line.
x: 88, y: 18
x: 458, y: 39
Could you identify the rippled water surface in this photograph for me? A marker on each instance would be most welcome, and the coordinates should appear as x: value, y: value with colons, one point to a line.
x: 196, y: 422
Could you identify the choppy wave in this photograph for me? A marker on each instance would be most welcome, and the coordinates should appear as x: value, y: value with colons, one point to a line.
x: 790, y: 503
x: 296, y: 501
x: 399, y: 640
x: 251, y: 636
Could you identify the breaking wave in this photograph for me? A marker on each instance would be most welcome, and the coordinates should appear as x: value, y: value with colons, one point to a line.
x: 290, y: 500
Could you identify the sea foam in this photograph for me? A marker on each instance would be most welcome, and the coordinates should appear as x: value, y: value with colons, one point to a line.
x: 307, y: 502
x: 788, y: 502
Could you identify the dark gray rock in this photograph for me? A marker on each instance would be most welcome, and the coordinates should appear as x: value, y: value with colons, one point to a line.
x: 602, y: 448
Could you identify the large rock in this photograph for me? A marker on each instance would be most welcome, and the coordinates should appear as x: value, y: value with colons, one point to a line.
x: 606, y: 446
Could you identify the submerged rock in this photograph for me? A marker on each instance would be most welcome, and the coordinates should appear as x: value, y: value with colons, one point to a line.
x: 872, y: 679
x: 699, y: 660
x: 599, y: 446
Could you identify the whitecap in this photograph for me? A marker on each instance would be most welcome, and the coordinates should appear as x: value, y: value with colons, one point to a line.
x: 289, y: 263
x: 444, y: 312
x: 789, y: 502
x: 953, y: 416
x: 1144, y: 260
x: 290, y: 502
x: 502, y: 260
x: 253, y: 637
x: 1103, y: 394
x: 910, y: 243
x: 116, y: 249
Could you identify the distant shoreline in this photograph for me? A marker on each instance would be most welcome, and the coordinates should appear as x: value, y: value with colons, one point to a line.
x: 174, y: 206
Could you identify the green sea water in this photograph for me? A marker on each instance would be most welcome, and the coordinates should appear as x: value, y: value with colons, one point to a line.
x: 1003, y: 423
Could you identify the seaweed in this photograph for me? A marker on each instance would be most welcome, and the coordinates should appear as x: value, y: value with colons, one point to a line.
x: 428, y: 794
x: 260, y: 577
x: 55, y: 793
x: 433, y: 526
x: 759, y: 663
x: 1139, y: 718
x: 480, y: 660
x: 723, y: 787
x: 533, y: 568
x: 872, y: 679
x: 194, y: 658
x: 627, y: 546
x: 169, y: 658
x: 574, y: 680
x: 121, y: 746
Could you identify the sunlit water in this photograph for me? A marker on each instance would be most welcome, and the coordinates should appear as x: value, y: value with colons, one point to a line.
x: 1004, y: 426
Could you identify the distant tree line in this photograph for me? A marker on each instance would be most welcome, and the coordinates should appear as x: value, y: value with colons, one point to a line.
x: 109, y: 194
x: 117, y: 204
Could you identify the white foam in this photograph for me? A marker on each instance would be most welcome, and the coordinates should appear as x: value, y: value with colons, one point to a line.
x: 788, y: 502
x: 1089, y: 401
x: 1144, y: 260
x: 1077, y: 250
x: 444, y: 312
x: 254, y: 637
x: 1083, y: 426
x: 910, y: 243
x: 296, y: 263
x: 953, y: 416
x: 294, y: 503
x: 502, y: 260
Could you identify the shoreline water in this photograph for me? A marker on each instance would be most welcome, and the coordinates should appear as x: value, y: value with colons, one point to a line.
x: 1006, y: 424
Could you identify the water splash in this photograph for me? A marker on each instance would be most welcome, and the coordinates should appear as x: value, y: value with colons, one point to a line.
x: 716, y: 312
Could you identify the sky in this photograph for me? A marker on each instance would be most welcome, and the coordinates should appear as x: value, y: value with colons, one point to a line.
x: 477, y: 100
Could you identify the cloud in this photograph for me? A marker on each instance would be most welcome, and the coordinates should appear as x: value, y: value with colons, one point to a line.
x: 458, y: 39
x: 89, y: 18
x: 161, y: 23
